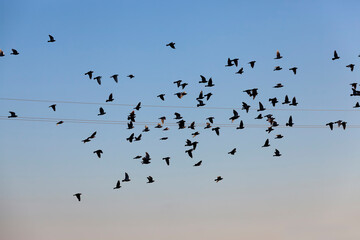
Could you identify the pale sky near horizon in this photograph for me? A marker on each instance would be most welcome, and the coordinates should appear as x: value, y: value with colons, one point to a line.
x: 311, y: 192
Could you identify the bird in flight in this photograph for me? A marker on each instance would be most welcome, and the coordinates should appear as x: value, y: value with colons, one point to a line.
x: 235, y: 116
x: 101, y: 111
x: 12, y: 115
x: 278, y: 56
x: 115, y: 77
x: 150, y: 179
x: 14, y: 52
x: 138, y: 106
x: 2, y: 53
x: 293, y: 69
x: 351, y: 66
x: 161, y: 96
x: 293, y: 102
x: 232, y: 152
x: 203, y: 79
x: 60, y: 122
x: 241, y: 126
x: 290, y: 122
x: 286, y: 100
x: 53, y: 106
x: 171, y: 44
x: 117, y: 185
x: 98, y: 153
x: 357, y: 105
x: 210, y: 83
x: 110, y: 98
x: 198, y: 164
x: 167, y: 160
x: 277, y: 153
x: 78, y: 196
x: 89, y: 73
x: 277, y: 68
x: 252, y: 64
x: 51, y: 39
x: 98, y: 79
x: 241, y: 71
x: 127, y: 178
x: 336, y: 56
x: 219, y: 178
x: 131, y: 76
x: 279, y: 85
x: 279, y: 136
x: 261, y: 107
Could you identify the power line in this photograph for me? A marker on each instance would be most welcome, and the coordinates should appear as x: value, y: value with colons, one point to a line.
x: 169, y: 106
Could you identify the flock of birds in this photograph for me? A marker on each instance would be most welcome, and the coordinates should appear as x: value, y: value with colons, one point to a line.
x: 208, y: 83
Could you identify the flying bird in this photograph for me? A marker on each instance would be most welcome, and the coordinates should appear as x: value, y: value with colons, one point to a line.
x: 277, y: 68
x: 217, y: 130
x: 146, y: 159
x: 146, y: 129
x: 203, y: 79
x: 286, y: 100
x: 290, y: 122
x: 161, y: 96
x: 235, y: 116
x: 89, y: 73
x: 171, y: 44
x: 241, y: 71
x: 293, y: 102
x: 278, y: 56
x: 293, y: 69
x: 167, y: 160
x: 53, y: 106
x: 150, y: 179
x: 273, y: 101
x: 277, y: 153
x: 266, y: 144
x: 189, y: 152
x: 351, y: 66
x: 127, y: 178
x: 130, y: 138
x: 51, y: 39
x: 14, y: 52
x: 60, y: 122
x: 241, y: 126
x: 78, y: 196
x: 211, y: 119
x: 336, y: 56
x: 115, y: 77
x: 98, y: 79
x: 98, y: 153
x: 210, y: 83
x: 117, y: 185
x: 232, y: 152
x: 110, y: 98
x: 138, y: 106
x: 12, y: 115
x: 261, y: 107
x: 252, y: 63
x: 219, y: 178
x: 357, y: 105
x: 138, y: 138
x: 2, y: 53
x: 178, y: 83
x: 101, y: 111
x: 195, y: 134
x: 197, y: 164
x: 130, y: 76
x: 279, y: 136
x: 279, y: 85
x: 229, y: 63
x: 208, y: 95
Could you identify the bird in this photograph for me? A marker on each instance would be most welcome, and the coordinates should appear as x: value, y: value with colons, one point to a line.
x: 171, y: 44
x: 138, y: 106
x: 200, y: 104
x: 201, y: 96
x: 343, y: 125
x: 336, y: 56
x: 217, y: 130
x: 150, y: 179
x: 252, y: 64
x: 259, y: 116
x: 293, y: 102
x: 78, y: 196
x: 14, y: 52
x: 110, y: 98
x: 232, y: 152
x: 178, y: 83
x: 163, y: 118
x: 164, y: 138
x: 266, y: 144
x: 261, y: 107
x: 277, y: 68
x: 161, y: 96
x: 219, y: 178
x: 115, y: 77
x: 357, y: 105
x: 137, y: 157
x: 351, y: 66
x: 130, y: 76
x: 286, y: 101
x: 158, y: 125
x: 208, y: 125
x: 130, y: 138
x: 98, y: 153
x: 279, y: 136
x: 235, y: 61
x: 293, y: 69
x: 2, y: 53
x: 278, y: 56
x: 146, y: 129
x: 93, y: 135
x: 12, y: 115
x: 229, y: 63
x: 241, y: 126
x: 53, y: 106
x: 60, y: 122
x: 192, y: 126
x: 189, y: 152
x: 138, y: 138
x: 101, y: 111
x: 208, y: 95
x: 203, y: 79
x: 270, y: 129
x: 117, y: 185
x: 167, y: 160
x: 245, y: 107
x: 197, y: 164
x: 210, y: 83
x: 290, y: 122
x: 180, y: 94
x: 279, y: 85
x: 183, y: 85
x: 132, y: 116
x: 273, y: 101
x: 194, y: 144
x: 241, y: 71
x: 126, y: 179
x: 89, y: 73
x: 339, y: 122
x: 235, y: 116
x: 353, y: 85
x: 277, y: 153
x: 211, y: 119
x: 195, y: 134
x: 86, y: 140
x: 98, y: 79
x: 146, y: 159
x: 51, y: 39
x: 177, y: 115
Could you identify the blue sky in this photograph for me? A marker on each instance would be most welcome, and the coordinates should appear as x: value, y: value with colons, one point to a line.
x: 310, y: 189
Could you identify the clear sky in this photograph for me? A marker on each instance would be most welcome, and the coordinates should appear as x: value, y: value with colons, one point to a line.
x: 311, y: 192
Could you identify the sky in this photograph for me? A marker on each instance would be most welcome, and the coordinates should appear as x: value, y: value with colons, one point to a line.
x: 312, y: 191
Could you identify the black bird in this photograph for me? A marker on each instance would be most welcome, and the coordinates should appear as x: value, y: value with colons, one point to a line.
x: 110, y: 99
x: 101, y: 111
x: 290, y: 122
x: 51, y: 39
x: 351, y: 66
x: 279, y: 85
x: 232, y: 152
x: 245, y: 106
x: 158, y: 125
x: 163, y: 118
x: 130, y: 76
x: 357, y: 105
x: 197, y: 164
x: 241, y: 126
x: 293, y: 69
x: 241, y: 71
x: 200, y: 104
x: 98, y: 153
x: 12, y: 115
x: 2, y: 53
x: 138, y: 138
x: 89, y: 73
x: 229, y: 63
x: 146, y: 159
x: 353, y: 85
x: 146, y: 129
x: 211, y: 119
x: 235, y: 61
x: 279, y: 136
x: 286, y: 100
x: 188, y: 143
x: 219, y: 178
x: 217, y: 130
x: 266, y: 144
x: 78, y: 196
x: 189, y: 152
x: 150, y: 179
x: 14, y: 52
x: 60, y: 122
x: 117, y: 185
x: 171, y: 44
x: 208, y: 96
x: 293, y: 102
x: 278, y: 56
x: 195, y: 134
x: 126, y: 179
x: 259, y: 116
x: 177, y: 115
x: 277, y: 68
x: 208, y: 125
x: 201, y: 96
x: 194, y: 144
x: 138, y: 157
x: 53, y: 106
x: 130, y: 138
x: 132, y: 116
x: 167, y: 160
x: 178, y: 83
x: 164, y: 138
x: 343, y: 125
x: 339, y: 122
x: 203, y: 79
x: 269, y: 130
x: 138, y: 106
x: 93, y: 135
x: 183, y: 85
x: 273, y: 101
x: 355, y: 92
x: 235, y: 116
x: 192, y: 126
x: 161, y: 96
x: 86, y: 140
x: 210, y: 83
x: 277, y: 153
x: 115, y: 77
x: 180, y: 94
x: 261, y: 107
x: 98, y: 79
x: 252, y: 64
x: 336, y: 56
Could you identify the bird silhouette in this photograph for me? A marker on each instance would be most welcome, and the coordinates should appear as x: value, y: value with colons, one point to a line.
x: 167, y: 160
x: 208, y: 125
x: 127, y: 178
x: 180, y: 94
x: 343, y: 124
x: 78, y: 196
x: 353, y: 85
x: 279, y: 85
x: 286, y: 101
x: 293, y: 102
x: 210, y: 83
x: 89, y: 73
x: 203, y: 79
x: 146, y: 129
x: 192, y: 126
x: 146, y: 159
x: 177, y: 115
x: 86, y: 140
x: 208, y: 95
x: 195, y: 134
x: 252, y: 63
x: 336, y: 56
x: 138, y: 157
x: 14, y: 52
x: 53, y: 106
x: 138, y: 138
x: 98, y: 79
x: 241, y: 126
x: 277, y: 153
x: 293, y: 69
x: 178, y: 83
x: 98, y: 153
x: 229, y: 63
x: 290, y: 122
x: 115, y: 77
x: 183, y: 85
x: 201, y: 96
x: 164, y: 138
x: 273, y: 101
x: 150, y: 179
x: 235, y: 61
x: 235, y: 116
x: 2, y: 53
x: 161, y: 96
x: 232, y: 152
x: 171, y: 44
x: 158, y: 125
x: 351, y: 66
x: 130, y: 76
x: 198, y: 164
x: 277, y: 68
x: 241, y: 71
x: 266, y: 144
x: 130, y: 138
x: 93, y: 135
x: 138, y: 106
x: 259, y: 116
x: 211, y: 119
x: 117, y: 185
x: 357, y: 105
x: 101, y: 111
x: 200, y: 104
x: 278, y: 56
x: 279, y: 136
x: 261, y: 107
x: 51, y: 39
x: 217, y: 130
x: 110, y: 98
x: 12, y: 115
x: 269, y: 129
x: 219, y: 178
x: 189, y: 152
x: 60, y: 122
